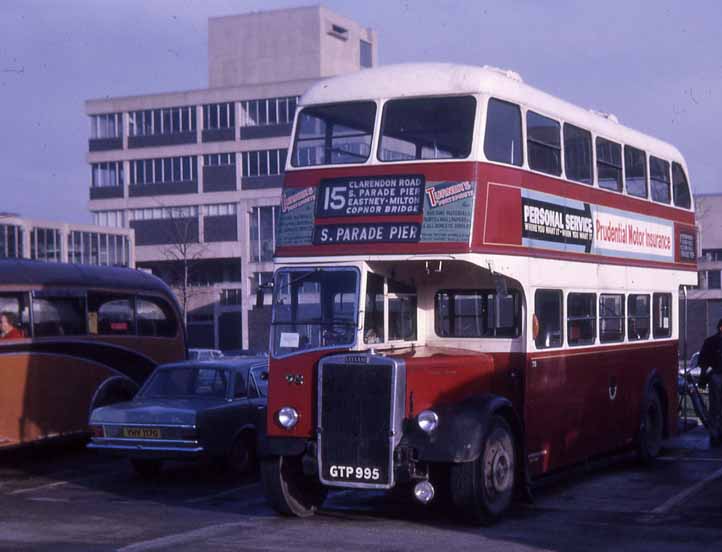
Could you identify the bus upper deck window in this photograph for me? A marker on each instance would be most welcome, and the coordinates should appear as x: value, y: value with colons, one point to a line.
x: 548, y: 314
x: 659, y: 179
x: 635, y: 168
x: 577, y: 154
x: 543, y: 144
x: 502, y: 139
x: 427, y: 128
x: 680, y: 187
x: 609, y: 165
x: 334, y: 134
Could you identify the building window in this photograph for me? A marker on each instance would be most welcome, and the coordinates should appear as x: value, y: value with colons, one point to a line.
x: 366, y: 54
x: 11, y: 241
x: 220, y: 209
x: 107, y: 175
x: 216, y: 116
x: 713, y: 279
x: 268, y: 111
x: 215, y: 159
x: 98, y: 249
x: 45, y: 244
x: 113, y: 219
x: 158, y: 213
x: 712, y: 254
x: 263, y: 162
x: 170, y: 120
x: 169, y: 169
x: 262, y: 228
x: 231, y: 297
x: 107, y: 125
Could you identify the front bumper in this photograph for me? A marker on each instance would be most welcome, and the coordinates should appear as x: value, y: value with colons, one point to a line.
x: 148, y: 448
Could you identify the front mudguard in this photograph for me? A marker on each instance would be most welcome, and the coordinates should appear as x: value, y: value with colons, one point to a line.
x: 460, y: 433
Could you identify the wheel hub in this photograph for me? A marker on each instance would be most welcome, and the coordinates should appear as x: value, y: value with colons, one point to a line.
x: 499, y: 469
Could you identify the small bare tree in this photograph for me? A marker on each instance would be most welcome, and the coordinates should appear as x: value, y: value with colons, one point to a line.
x: 185, y: 251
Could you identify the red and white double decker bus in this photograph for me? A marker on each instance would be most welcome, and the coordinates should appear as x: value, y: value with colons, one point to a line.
x: 476, y: 285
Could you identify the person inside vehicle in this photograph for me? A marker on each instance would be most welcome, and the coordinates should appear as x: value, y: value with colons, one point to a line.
x: 8, y: 326
x: 710, y: 362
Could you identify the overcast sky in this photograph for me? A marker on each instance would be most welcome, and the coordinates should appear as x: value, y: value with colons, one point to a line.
x: 657, y: 65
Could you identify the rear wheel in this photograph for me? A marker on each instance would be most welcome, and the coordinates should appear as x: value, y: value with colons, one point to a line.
x: 288, y: 489
x: 651, y: 428
x: 483, y: 489
x: 147, y: 468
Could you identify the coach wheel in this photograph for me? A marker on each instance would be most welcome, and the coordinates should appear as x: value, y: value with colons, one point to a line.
x: 147, y: 468
x: 483, y: 489
x: 651, y: 428
x: 288, y: 489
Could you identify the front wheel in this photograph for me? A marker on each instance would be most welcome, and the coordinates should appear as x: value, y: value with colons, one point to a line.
x: 288, y: 489
x: 483, y: 489
x: 651, y: 428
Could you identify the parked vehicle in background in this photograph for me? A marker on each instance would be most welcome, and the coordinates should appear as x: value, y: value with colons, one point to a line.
x: 85, y: 336
x: 204, y: 354
x: 475, y: 285
x: 188, y: 411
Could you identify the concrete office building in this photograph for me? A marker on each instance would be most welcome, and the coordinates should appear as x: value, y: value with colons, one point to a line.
x: 197, y: 174
x: 705, y: 301
x: 59, y: 242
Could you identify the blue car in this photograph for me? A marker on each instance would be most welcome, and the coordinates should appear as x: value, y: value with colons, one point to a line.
x: 188, y: 411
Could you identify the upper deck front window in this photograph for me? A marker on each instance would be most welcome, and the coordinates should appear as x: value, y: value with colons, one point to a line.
x: 334, y: 134
x: 427, y: 128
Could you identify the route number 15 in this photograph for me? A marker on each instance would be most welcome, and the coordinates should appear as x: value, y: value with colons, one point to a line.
x: 334, y: 198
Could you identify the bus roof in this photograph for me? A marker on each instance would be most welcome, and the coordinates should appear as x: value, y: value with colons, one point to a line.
x: 433, y: 79
x: 36, y: 273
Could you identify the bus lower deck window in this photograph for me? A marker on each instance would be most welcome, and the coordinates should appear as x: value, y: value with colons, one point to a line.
x: 548, y: 314
x: 581, y: 318
x: 638, y: 317
x: 662, y: 309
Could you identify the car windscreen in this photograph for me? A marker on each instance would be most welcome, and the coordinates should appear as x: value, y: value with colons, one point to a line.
x: 427, y: 128
x: 187, y: 381
x: 334, y: 134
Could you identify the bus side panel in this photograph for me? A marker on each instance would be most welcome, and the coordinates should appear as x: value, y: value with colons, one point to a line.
x: 45, y: 395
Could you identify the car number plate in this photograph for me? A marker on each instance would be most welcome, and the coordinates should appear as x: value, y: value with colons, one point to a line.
x: 141, y: 432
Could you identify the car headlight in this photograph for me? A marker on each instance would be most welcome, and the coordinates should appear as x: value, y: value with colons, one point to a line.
x: 287, y: 417
x: 428, y: 420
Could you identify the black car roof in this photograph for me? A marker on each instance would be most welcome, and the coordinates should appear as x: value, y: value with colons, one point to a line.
x: 27, y: 272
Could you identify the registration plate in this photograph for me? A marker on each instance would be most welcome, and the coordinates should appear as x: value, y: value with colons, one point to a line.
x: 141, y: 432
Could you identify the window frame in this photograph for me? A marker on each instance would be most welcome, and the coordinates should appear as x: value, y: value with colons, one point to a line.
x: 655, y: 330
x: 540, y: 143
x: 668, y: 172
x: 453, y: 292
x: 593, y: 317
x: 591, y: 152
x: 635, y: 317
x: 623, y: 318
x: 522, y: 141
x: 598, y: 160
x: 562, y: 312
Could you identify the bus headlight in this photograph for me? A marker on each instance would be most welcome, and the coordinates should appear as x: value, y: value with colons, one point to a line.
x: 428, y: 420
x: 287, y: 417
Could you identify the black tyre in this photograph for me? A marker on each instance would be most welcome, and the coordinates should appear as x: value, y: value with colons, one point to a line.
x: 651, y: 428
x: 147, y: 468
x: 289, y: 491
x: 483, y: 489
x: 242, y: 457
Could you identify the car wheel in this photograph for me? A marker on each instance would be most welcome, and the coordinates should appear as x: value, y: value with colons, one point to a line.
x: 651, y: 428
x: 242, y: 457
x: 482, y: 490
x: 146, y: 468
x: 288, y: 489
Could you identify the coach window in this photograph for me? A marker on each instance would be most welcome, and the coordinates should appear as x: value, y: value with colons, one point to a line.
x: 502, y: 139
x: 543, y: 144
x: 548, y: 326
x: 154, y: 318
x: 110, y: 314
x: 609, y: 165
x: 374, y: 309
x: 662, y: 312
x: 16, y: 313
x: 638, y: 317
x: 58, y: 313
x: 680, y: 187
x: 581, y: 318
x: 635, y: 171
x: 611, y: 318
x: 477, y: 313
x: 659, y: 179
x: 427, y: 128
x: 577, y: 154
